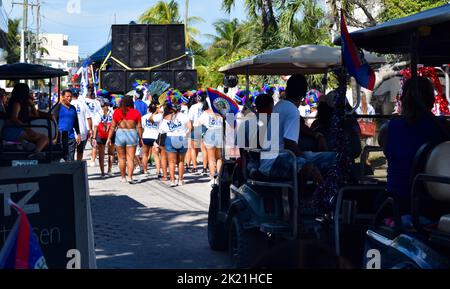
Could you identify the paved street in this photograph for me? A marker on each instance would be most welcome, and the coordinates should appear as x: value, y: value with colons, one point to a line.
x: 150, y: 225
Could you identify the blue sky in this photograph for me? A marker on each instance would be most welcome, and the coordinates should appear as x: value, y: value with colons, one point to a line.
x: 90, y: 28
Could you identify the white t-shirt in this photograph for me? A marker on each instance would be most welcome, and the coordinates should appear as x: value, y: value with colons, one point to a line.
x: 83, y: 114
x: 178, y: 126
x: 151, y: 130
x: 184, y: 109
x: 101, y: 117
x: 195, y: 112
x: 211, y: 121
x: 288, y: 128
x: 93, y: 105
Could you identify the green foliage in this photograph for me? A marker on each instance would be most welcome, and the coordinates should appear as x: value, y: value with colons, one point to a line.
x: 400, y: 8
x: 13, y: 38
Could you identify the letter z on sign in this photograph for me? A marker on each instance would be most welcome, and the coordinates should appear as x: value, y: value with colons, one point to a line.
x: 8, y: 190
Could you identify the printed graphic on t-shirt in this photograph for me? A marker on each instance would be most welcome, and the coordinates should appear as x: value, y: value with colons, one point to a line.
x: 174, y: 125
x: 151, y: 125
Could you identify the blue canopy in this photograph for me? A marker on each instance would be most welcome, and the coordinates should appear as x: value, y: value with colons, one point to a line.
x: 101, y: 54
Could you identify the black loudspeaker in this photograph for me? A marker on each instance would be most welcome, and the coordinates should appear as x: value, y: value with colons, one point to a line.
x: 176, y: 46
x: 157, y: 45
x: 185, y: 80
x: 163, y: 75
x: 133, y: 76
x: 114, y: 81
x: 138, y: 46
x: 120, y: 45
x: 230, y: 81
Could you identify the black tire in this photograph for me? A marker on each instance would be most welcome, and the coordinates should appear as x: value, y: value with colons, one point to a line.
x: 246, y: 246
x: 217, y: 236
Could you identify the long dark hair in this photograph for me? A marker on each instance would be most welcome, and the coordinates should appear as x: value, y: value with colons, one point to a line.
x: 126, y: 104
x: 153, y: 107
x: 415, y: 107
x: 201, y: 97
x: 21, y: 95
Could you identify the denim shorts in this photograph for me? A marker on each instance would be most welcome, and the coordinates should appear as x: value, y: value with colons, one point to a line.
x: 12, y: 133
x: 127, y: 137
x: 213, y: 138
x: 176, y: 144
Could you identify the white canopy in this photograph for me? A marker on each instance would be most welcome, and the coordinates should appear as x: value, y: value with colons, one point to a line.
x: 306, y: 59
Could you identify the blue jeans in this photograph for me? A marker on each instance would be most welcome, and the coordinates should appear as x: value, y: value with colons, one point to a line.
x: 322, y: 160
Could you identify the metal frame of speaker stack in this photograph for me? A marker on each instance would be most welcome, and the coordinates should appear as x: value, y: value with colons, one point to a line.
x: 140, y: 46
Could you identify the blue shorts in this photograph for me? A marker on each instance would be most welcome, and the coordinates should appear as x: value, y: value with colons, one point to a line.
x: 196, y: 133
x: 127, y: 138
x: 12, y: 133
x: 213, y: 138
x: 176, y: 144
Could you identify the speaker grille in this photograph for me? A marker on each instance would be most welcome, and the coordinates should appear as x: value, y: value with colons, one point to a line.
x: 120, y: 44
x: 133, y: 76
x: 138, y: 46
x: 163, y: 75
x: 157, y: 45
x: 113, y: 81
x: 176, y: 41
x: 185, y: 80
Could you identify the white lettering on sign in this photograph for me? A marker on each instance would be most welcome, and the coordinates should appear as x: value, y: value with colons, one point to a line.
x: 8, y: 190
x: 75, y: 259
x: 373, y: 259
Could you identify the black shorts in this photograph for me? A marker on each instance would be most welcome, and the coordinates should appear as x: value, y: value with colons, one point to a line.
x: 81, y: 146
x: 102, y: 141
x: 149, y: 142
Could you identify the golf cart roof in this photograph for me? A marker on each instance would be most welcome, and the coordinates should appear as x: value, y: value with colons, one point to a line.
x: 394, y: 36
x: 29, y: 71
x: 306, y: 59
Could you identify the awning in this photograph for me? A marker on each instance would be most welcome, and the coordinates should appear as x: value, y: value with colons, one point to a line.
x: 306, y: 59
x: 395, y: 36
x: 29, y: 71
x: 101, y: 54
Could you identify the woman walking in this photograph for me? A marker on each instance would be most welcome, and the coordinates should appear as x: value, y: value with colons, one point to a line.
x: 127, y: 121
x: 102, y: 126
x: 150, y: 124
x: 212, y: 139
x: 177, y: 126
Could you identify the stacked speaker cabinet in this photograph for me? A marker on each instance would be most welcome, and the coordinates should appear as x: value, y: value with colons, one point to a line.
x: 114, y: 81
x: 133, y: 76
x: 120, y: 45
x: 138, y: 46
x: 185, y: 80
x: 157, y: 45
x: 177, y: 47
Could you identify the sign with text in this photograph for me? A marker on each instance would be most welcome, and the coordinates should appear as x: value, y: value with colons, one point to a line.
x: 55, y: 198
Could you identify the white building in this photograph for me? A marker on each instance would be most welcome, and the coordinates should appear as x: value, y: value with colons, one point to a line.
x: 61, y: 54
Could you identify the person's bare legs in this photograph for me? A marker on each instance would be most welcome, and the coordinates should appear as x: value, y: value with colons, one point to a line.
x: 172, y: 163
x: 194, y: 153
x: 164, y: 163
x: 122, y: 156
x: 211, y: 161
x: 110, y: 158
x: 145, y: 157
x: 188, y: 158
x: 130, y: 152
x: 40, y: 140
x: 181, y: 158
x: 155, y: 151
x: 101, y: 158
x: 218, y: 160
x: 205, y: 156
x: 94, y: 153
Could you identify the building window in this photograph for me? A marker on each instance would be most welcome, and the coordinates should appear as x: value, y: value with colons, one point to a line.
x: 65, y: 43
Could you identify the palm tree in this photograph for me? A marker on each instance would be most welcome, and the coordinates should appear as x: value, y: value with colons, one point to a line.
x: 230, y: 39
x: 13, y: 39
x: 265, y: 11
x: 168, y: 12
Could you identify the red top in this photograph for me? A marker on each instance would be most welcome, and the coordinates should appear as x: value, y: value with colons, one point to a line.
x: 132, y: 114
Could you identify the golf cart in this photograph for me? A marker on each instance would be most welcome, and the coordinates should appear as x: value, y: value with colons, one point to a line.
x: 249, y: 212
x: 425, y: 243
x: 12, y: 153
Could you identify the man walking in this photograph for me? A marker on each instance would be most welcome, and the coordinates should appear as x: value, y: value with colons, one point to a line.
x: 84, y: 121
x: 67, y: 119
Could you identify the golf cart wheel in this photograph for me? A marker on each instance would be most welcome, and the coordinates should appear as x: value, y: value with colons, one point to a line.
x: 246, y: 246
x: 217, y: 236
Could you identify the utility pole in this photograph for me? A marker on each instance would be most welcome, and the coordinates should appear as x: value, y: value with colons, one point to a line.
x: 24, y: 29
x: 38, y: 15
x: 186, y: 17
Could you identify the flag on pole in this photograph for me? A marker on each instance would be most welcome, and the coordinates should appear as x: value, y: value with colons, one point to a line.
x: 354, y: 60
x: 221, y: 103
x: 21, y: 249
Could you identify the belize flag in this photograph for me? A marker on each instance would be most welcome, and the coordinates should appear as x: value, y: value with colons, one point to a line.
x: 354, y: 60
x: 221, y: 104
x: 21, y: 249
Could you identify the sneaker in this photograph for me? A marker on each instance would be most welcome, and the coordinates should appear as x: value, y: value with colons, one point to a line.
x: 110, y: 174
x: 159, y: 176
x: 133, y: 182
x: 194, y: 171
x: 181, y: 183
x: 204, y: 172
x: 172, y: 184
x: 212, y: 183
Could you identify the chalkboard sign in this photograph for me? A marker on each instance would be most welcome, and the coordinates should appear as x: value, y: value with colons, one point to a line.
x: 55, y: 198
